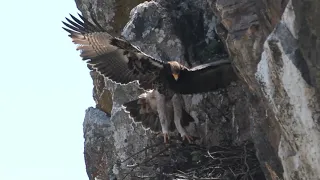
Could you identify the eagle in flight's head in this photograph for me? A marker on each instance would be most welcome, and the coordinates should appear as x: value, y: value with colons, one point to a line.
x: 175, y: 69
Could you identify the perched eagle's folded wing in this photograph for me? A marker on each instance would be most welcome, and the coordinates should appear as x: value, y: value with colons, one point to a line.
x: 112, y: 57
x: 205, y: 78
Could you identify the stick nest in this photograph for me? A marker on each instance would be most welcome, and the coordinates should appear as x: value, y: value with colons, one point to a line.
x: 191, y: 161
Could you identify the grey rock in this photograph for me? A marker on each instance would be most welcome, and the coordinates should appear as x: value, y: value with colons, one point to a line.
x: 292, y: 100
x: 111, y: 14
x: 269, y: 60
x: 96, y: 127
x: 150, y: 28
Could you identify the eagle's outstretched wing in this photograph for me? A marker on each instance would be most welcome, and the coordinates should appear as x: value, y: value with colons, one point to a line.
x: 112, y: 57
x: 204, y: 78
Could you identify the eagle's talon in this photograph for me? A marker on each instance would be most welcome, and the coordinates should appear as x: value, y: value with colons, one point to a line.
x: 189, y: 138
x: 166, y: 137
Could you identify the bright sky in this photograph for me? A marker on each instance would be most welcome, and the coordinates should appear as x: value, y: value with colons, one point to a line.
x: 45, y: 89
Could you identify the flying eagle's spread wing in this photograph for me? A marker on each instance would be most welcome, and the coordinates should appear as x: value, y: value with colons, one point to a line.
x: 112, y: 57
x: 204, y: 78
x: 144, y: 110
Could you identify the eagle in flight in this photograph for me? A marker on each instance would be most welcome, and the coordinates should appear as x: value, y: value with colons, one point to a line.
x: 122, y: 62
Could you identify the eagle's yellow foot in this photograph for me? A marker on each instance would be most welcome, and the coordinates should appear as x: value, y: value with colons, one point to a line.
x: 166, y: 138
x: 189, y: 138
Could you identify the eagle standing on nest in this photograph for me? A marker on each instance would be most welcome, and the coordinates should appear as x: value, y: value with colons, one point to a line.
x: 122, y: 62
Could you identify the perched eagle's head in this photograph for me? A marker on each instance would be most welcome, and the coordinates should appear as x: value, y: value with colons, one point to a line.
x: 175, y: 69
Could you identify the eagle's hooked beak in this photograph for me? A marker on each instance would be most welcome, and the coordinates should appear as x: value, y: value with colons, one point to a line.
x: 176, y: 76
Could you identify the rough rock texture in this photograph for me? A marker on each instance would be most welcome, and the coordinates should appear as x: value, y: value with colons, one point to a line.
x: 112, y: 14
x: 267, y: 42
x: 274, y: 47
x: 285, y: 78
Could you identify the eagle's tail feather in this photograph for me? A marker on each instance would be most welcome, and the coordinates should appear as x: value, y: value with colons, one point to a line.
x: 186, y: 118
x: 133, y: 108
x: 140, y: 112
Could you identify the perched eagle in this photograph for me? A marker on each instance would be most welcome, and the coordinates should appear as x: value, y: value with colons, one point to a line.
x: 122, y: 62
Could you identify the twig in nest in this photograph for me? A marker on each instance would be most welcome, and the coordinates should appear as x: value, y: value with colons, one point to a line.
x: 146, y: 148
x: 147, y: 160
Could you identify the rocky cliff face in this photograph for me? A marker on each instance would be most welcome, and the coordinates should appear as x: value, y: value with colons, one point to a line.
x: 274, y: 104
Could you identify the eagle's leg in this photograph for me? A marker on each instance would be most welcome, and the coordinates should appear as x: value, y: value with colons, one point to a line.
x: 177, y: 111
x: 161, y: 108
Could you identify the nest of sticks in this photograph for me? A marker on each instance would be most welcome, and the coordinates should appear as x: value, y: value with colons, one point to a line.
x: 190, y: 161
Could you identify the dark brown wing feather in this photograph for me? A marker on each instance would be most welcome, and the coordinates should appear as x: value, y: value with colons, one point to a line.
x: 204, y: 78
x: 112, y: 57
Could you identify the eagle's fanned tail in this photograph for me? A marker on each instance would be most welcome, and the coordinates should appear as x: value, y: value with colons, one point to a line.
x: 141, y: 111
x: 138, y: 111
